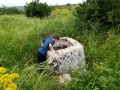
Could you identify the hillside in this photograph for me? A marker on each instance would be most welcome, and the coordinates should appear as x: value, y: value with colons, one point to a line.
x: 20, y: 7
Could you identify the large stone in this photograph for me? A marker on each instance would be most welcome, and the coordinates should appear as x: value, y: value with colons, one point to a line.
x: 68, y: 55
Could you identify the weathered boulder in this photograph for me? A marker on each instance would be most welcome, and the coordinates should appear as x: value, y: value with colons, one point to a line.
x: 68, y: 55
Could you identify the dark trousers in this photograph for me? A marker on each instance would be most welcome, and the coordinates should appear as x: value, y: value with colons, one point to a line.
x: 41, y: 57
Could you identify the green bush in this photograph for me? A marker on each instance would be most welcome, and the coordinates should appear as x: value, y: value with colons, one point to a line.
x: 9, y: 10
x: 99, y: 13
x: 13, y: 10
x: 2, y: 11
x: 37, y: 9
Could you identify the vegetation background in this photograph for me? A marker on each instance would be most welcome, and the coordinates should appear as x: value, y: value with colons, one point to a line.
x: 20, y: 40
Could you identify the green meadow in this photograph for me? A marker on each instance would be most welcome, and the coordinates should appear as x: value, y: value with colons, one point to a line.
x: 20, y: 39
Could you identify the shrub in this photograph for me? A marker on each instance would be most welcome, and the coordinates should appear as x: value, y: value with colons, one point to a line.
x: 10, y: 10
x: 13, y: 10
x: 98, y: 12
x: 37, y: 9
x: 2, y: 11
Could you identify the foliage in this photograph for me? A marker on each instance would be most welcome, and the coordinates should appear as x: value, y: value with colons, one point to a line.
x: 6, y: 80
x: 9, y: 10
x: 62, y: 10
x: 19, y: 42
x: 37, y: 9
x: 57, y: 12
x: 103, y: 63
x: 99, y: 13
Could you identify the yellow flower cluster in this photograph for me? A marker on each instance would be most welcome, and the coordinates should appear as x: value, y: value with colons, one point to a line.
x: 56, y: 12
x: 2, y: 70
x: 6, y: 80
x: 65, y: 11
x: 62, y: 11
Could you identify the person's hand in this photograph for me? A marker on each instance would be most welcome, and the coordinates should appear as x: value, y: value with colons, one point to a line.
x: 51, y: 47
x: 41, y: 43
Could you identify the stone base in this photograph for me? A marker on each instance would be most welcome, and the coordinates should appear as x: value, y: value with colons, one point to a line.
x: 68, y: 55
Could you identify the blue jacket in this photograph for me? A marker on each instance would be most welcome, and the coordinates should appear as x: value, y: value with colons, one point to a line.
x: 45, y: 47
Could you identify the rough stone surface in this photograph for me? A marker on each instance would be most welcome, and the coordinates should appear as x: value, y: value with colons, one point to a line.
x: 64, y: 78
x: 68, y: 55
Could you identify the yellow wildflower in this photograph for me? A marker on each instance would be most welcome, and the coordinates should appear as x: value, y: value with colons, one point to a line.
x: 15, y: 75
x: 8, y: 88
x: 6, y: 80
x: 2, y: 70
x: 65, y: 11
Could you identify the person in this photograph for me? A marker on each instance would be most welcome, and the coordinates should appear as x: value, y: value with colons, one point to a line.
x: 47, y: 44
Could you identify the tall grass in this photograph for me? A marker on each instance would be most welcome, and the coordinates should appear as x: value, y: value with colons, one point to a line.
x: 19, y: 42
x: 20, y: 38
x: 102, y: 52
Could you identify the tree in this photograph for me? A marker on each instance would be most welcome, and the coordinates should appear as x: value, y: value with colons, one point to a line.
x: 37, y: 9
x: 102, y: 12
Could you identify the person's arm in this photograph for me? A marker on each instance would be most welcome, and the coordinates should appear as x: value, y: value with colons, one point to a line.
x: 42, y: 41
x: 51, y: 47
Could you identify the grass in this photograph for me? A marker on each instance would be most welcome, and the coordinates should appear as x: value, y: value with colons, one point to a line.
x: 103, y: 62
x: 20, y: 39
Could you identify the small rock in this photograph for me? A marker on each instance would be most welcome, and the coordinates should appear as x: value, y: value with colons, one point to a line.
x: 64, y: 78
